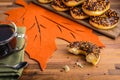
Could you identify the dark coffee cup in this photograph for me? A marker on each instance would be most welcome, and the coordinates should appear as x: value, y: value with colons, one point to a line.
x: 8, y: 34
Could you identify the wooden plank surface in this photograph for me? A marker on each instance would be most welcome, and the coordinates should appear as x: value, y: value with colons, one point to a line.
x: 107, y: 68
x: 6, y: 2
x: 112, y: 33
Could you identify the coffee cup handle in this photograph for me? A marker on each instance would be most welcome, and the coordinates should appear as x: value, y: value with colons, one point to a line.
x: 17, y: 49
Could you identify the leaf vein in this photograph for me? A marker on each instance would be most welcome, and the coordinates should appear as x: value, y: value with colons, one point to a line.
x: 38, y: 27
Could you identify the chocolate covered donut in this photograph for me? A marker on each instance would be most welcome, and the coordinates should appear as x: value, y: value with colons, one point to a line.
x: 77, y: 13
x: 59, y: 6
x: 72, y: 3
x: 108, y: 20
x: 44, y: 1
x: 90, y: 50
x: 95, y: 7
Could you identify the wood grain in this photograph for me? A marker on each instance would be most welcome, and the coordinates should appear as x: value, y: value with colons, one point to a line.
x: 107, y: 68
x: 6, y: 2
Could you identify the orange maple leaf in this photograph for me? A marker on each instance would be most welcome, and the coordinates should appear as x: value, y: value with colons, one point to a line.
x: 43, y: 27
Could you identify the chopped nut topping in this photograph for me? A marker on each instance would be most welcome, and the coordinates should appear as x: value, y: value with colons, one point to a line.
x: 78, y: 11
x: 96, y: 5
x: 66, y: 68
x: 79, y: 64
x: 59, y: 3
x: 88, y: 47
x: 90, y: 50
x: 107, y: 19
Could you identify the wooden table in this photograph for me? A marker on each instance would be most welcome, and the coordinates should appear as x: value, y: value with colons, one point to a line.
x: 107, y: 68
